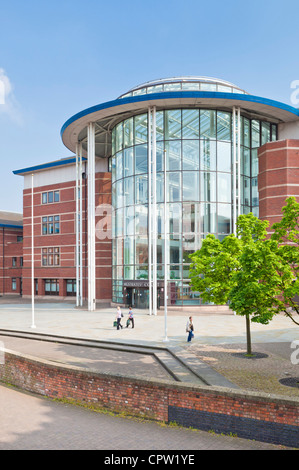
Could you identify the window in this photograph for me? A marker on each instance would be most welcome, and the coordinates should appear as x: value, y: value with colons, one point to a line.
x: 14, y: 261
x: 51, y: 225
x: 71, y: 287
x: 13, y: 283
x: 50, y: 256
x: 21, y: 261
x: 50, y: 197
x: 51, y: 287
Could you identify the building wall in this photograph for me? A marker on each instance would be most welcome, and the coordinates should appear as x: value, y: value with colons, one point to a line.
x: 65, y: 240
x: 278, y: 177
x: 11, y: 254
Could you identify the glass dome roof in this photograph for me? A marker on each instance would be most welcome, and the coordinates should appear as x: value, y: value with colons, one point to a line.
x: 184, y: 84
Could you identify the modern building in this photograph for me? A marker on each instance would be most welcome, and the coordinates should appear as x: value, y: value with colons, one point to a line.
x: 11, y: 253
x: 154, y: 172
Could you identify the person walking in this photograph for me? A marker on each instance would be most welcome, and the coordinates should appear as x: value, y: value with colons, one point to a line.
x: 130, y: 318
x: 190, y: 329
x: 119, y: 316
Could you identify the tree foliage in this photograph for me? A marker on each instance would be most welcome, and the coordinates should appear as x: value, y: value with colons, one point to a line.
x: 257, y: 274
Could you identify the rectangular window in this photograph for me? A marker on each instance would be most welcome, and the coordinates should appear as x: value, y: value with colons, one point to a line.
x: 71, y: 287
x: 51, y: 287
x: 14, y: 284
x: 50, y: 197
x: 50, y: 256
x: 14, y: 261
x: 50, y: 225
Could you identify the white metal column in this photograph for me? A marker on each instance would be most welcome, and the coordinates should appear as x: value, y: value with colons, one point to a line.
x: 32, y: 254
x: 154, y: 208
x: 79, y: 241
x: 234, y: 173
x: 91, y: 216
x: 239, y: 162
x: 236, y: 131
x: 149, y: 161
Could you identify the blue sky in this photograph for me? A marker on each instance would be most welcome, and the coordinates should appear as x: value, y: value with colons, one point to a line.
x: 59, y: 57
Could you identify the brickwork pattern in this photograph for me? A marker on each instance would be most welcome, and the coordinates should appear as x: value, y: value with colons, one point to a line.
x: 161, y: 401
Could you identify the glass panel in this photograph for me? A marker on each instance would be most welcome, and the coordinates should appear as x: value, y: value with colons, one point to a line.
x: 208, y: 186
x: 141, y: 189
x: 208, y: 86
x: 223, y: 156
x: 224, y: 187
x: 160, y: 187
x: 172, y: 86
x: 265, y: 132
x: 208, y: 218
x: 173, y: 152
x: 245, y: 191
x: 224, y: 218
x: 119, y: 165
x: 50, y: 196
x: 141, y: 216
x: 274, y: 132
x: 128, y: 133
x: 254, y: 162
x: 160, y: 156
x: 223, y: 126
x: 56, y: 196
x: 190, y: 86
x: 159, y: 125
x: 208, y: 155
x: 190, y: 124
x: 129, y: 250
x: 207, y: 123
x: 142, y: 253
x: 129, y: 214
x: 190, y: 154
x: 113, y: 168
x: 129, y: 191
x: 141, y: 159
x: 128, y: 162
x: 190, y: 218
x: 246, y: 132
x: 255, y: 133
x: 190, y: 186
x: 140, y: 129
x: 44, y: 198
x: 174, y: 218
x: 119, y: 137
x: 173, y: 187
x: 245, y: 161
x: 173, y: 124
x: 119, y: 193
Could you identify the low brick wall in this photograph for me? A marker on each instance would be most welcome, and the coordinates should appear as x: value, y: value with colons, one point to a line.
x: 247, y: 415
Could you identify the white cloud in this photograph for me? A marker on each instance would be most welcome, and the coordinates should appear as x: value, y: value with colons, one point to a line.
x: 9, y: 106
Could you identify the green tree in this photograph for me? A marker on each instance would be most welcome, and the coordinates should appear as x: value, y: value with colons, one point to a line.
x: 254, y: 273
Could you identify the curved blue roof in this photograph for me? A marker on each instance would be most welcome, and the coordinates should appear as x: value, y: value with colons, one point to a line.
x: 181, y: 94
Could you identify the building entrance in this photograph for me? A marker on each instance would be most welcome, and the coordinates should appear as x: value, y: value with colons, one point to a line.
x: 138, y: 297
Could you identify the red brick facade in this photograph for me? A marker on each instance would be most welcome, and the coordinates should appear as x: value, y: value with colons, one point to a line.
x: 54, y: 253
x: 278, y: 177
x: 11, y: 260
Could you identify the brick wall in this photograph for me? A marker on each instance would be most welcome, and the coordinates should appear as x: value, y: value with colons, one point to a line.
x: 278, y: 177
x: 66, y: 239
x: 248, y: 415
x: 10, y: 248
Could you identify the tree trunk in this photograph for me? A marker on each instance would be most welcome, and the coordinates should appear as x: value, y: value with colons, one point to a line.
x: 248, y: 335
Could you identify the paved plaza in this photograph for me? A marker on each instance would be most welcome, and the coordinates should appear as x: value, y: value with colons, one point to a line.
x: 34, y: 422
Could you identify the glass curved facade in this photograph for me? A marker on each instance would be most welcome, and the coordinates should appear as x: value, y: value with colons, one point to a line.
x: 198, y: 146
x: 184, y: 84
